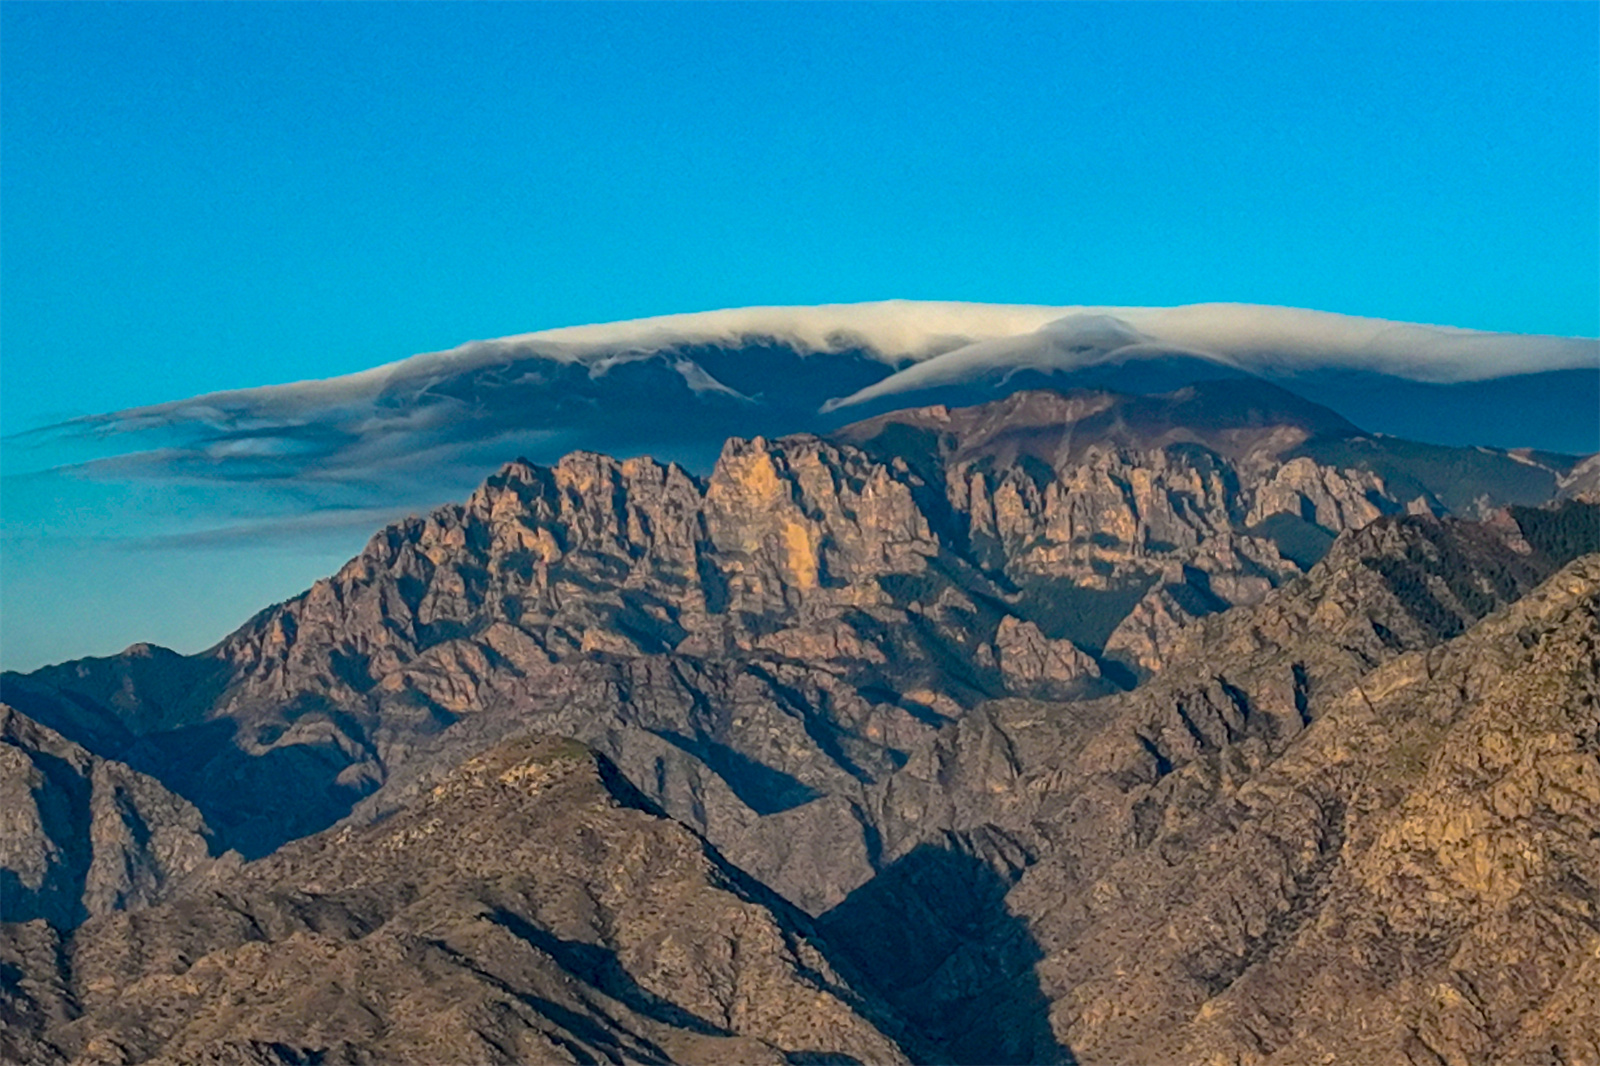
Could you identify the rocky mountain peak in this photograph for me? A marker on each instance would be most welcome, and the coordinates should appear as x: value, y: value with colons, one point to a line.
x: 1236, y: 418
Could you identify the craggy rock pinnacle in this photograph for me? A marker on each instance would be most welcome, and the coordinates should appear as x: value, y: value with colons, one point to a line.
x: 1030, y: 660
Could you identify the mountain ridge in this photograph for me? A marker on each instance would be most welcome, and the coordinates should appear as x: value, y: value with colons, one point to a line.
x: 1179, y: 743
x: 909, y: 571
x: 274, y: 476
x: 514, y: 913
x: 985, y: 698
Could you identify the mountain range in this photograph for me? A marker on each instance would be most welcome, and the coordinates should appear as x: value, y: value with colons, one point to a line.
x: 273, y: 486
x: 1077, y: 725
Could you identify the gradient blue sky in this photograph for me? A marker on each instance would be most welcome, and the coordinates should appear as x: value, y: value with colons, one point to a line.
x: 201, y: 196
x: 205, y: 196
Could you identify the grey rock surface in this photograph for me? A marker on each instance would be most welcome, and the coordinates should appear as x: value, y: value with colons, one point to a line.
x: 81, y: 835
x: 768, y: 643
x: 1352, y: 821
x: 525, y: 910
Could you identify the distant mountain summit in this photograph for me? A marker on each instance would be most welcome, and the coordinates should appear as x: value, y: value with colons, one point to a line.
x: 675, y: 386
x: 1235, y: 418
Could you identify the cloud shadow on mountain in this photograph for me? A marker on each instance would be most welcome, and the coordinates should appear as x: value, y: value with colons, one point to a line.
x: 932, y: 935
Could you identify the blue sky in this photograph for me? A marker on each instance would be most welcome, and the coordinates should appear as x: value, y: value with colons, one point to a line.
x: 203, y: 196
x: 208, y: 195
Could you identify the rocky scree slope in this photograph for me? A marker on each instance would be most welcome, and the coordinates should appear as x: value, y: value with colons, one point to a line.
x: 760, y: 649
x: 526, y: 909
x: 1351, y: 823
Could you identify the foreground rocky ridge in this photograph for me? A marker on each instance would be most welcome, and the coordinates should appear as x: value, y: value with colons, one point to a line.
x: 525, y: 910
x: 81, y: 835
x: 1460, y: 921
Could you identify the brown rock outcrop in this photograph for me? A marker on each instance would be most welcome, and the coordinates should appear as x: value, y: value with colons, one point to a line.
x: 1028, y: 659
x: 1318, y: 833
x: 747, y: 646
x: 859, y: 667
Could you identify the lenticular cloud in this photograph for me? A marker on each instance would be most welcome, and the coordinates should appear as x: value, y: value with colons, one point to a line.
x: 251, y: 494
x: 1271, y: 341
x: 677, y: 385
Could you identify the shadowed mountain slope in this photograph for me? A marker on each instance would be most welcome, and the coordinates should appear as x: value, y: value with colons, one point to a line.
x: 525, y: 910
x: 1409, y: 878
x: 81, y: 835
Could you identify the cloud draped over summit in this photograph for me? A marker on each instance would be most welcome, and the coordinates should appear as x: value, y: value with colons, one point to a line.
x: 255, y: 492
x: 676, y: 385
x: 1275, y: 341
x: 941, y: 339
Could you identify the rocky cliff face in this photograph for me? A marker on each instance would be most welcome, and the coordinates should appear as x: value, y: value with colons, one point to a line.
x: 1456, y: 921
x: 778, y: 636
x: 1156, y: 861
x: 1352, y: 820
